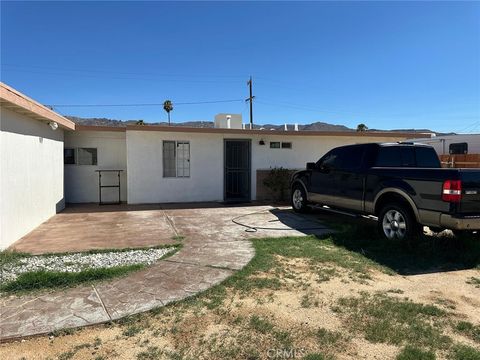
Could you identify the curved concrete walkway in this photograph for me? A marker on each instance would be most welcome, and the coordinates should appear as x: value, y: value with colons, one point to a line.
x: 214, y: 247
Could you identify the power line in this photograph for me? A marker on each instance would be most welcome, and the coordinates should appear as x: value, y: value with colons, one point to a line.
x: 145, y: 104
x: 470, y: 128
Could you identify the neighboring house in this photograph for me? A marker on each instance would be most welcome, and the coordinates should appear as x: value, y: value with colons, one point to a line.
x: 31, y: 164
x: 453, y: 144
x: 159, y: 163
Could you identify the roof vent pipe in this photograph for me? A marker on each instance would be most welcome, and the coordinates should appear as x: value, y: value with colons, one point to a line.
x: 286, y: 128
x: 229, y: 117
x: 296, y: 127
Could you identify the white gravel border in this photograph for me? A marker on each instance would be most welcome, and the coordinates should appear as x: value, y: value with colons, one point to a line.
x: 77, y: 262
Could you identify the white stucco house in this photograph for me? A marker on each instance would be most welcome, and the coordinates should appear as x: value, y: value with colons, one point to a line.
x: 42, y: 169
x: 31, y: 164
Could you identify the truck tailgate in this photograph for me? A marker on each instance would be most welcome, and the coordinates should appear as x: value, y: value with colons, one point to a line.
x: 470, y: 203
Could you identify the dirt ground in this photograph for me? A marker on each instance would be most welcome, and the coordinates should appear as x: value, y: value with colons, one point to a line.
x: 295, y: 318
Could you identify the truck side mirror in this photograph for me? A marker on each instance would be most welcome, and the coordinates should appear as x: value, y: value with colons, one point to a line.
x: 311, y: 166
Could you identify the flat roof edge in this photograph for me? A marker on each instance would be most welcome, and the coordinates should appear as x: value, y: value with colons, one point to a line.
x: 30, y: 107
x: 184, y: 129
x: 99, y: 128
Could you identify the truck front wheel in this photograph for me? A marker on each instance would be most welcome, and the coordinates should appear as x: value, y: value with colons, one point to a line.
x: 396, y: 221
x: 299, y: 199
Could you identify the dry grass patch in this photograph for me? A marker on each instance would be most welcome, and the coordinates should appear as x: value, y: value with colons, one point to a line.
x: 314, y: 298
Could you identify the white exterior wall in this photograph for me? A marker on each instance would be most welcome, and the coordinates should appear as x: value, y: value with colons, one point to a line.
x: 145, y: 170
x: 145, y: 180
x: 31, y: 174
x: 81, y: 181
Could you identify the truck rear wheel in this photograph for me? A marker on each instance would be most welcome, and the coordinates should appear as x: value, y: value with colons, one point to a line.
x: 396, y: 222
x: 299, y: 199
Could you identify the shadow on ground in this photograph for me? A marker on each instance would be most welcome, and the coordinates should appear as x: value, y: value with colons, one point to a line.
x: 94, y: 207
x: 427, y: 254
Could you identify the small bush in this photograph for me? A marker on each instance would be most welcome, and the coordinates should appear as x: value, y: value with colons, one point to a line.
x: 278, y: 181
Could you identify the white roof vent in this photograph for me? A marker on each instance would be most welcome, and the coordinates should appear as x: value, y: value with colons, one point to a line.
x: 228, y: 121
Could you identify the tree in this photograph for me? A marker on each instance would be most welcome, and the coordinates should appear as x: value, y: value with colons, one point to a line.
x: 140, y: 122
x: 168, y: 106
x: 362, y: 127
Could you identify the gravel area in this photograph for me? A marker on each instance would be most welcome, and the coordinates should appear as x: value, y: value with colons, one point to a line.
x: 80, y: 261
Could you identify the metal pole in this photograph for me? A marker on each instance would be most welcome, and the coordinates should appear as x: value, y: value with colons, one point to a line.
x: 119, y: 196
x: 250, y: 98
x: 100, y: 187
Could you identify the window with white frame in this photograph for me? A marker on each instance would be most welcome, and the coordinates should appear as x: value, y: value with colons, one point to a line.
x: 280, y: 145
x: 176, y: 158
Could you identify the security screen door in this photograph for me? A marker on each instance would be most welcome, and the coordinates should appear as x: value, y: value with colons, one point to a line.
x: 237, y: 170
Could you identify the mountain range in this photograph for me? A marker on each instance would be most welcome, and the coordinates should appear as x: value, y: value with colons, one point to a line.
x: 316, y: 126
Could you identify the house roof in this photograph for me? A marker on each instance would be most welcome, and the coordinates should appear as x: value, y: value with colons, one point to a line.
x: 184, y: 129
x: 18, y: 102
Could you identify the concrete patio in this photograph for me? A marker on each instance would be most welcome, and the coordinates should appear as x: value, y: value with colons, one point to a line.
x: 213, y: 248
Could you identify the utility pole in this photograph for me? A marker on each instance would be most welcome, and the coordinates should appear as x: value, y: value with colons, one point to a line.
x: 250, y: 98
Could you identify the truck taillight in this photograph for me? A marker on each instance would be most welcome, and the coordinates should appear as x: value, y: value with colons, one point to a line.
x: 452, y: 191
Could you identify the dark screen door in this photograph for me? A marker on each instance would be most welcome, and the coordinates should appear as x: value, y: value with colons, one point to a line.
x: 237, y: 170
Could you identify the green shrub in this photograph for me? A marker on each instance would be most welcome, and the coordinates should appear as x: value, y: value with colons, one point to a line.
x: 278, y: 181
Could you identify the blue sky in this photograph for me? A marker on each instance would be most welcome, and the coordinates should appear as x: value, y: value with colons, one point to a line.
x: 389, y: 65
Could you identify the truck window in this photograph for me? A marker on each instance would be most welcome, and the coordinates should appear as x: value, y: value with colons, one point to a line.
x: 426, y: 157
x: 331, y: 159
x: 408, y: 156
x: 343, y: 158
x: 396, y: 156
x: 389, y: 156
x: 351, y: 158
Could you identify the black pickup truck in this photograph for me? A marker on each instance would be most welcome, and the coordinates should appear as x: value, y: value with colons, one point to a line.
x: 402, y: 184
